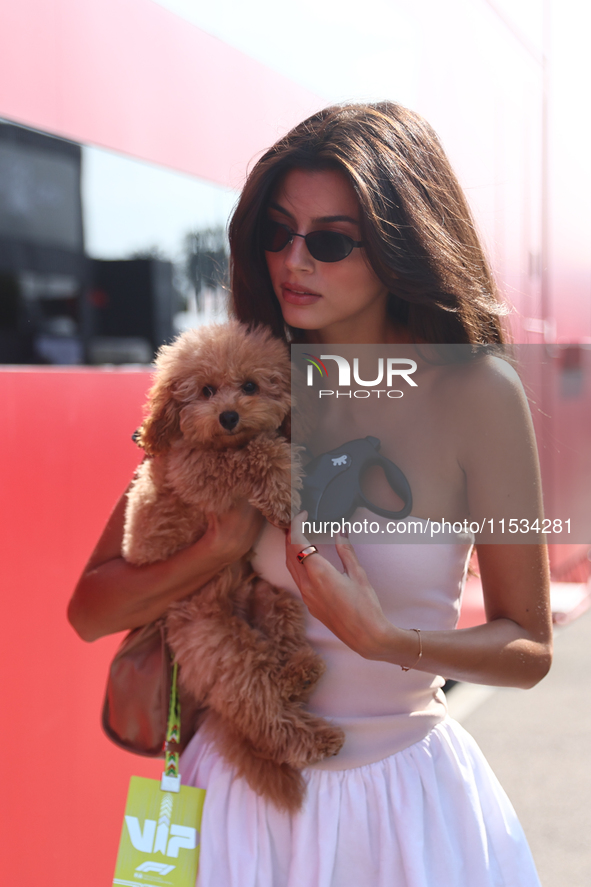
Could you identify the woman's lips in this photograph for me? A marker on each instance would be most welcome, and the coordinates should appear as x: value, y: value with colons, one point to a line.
x: 296, y: 295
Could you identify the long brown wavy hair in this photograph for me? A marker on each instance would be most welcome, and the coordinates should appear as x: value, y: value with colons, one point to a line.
x: 420, y: 237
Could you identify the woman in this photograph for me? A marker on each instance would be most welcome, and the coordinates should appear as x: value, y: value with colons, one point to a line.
x: 409, y: 801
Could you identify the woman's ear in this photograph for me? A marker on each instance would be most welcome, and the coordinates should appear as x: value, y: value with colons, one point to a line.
x: 162, y: 425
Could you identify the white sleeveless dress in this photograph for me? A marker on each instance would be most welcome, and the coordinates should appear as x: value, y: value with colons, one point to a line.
x: 410, y: 800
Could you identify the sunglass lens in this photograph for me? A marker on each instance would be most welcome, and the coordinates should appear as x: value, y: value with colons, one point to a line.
x: 329, y: 246
x: 325, y: 246
x: 275, y: 236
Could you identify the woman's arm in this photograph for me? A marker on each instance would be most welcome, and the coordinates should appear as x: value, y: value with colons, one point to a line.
x: 513, y: 649
x: 113, y: 595
x: 497, y: 455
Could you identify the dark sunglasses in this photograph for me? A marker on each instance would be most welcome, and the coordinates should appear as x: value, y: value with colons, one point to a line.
x: 324, y: 246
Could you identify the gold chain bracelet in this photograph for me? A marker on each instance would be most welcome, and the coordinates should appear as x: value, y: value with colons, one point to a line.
x: 408, y: 667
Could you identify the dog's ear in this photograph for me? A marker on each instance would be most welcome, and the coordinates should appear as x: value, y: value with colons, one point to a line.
x: 285, y: 428
x: 162, y: 424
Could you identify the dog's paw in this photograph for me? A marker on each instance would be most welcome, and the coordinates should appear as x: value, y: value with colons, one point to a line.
x: 328, y: 741
x: 316, y: 740
x: 299, y: 675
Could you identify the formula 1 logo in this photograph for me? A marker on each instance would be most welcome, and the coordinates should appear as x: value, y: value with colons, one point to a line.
x: 160, y: 868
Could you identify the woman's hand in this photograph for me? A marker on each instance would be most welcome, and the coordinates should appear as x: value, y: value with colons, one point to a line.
x: 513, y: 649
x: 345, y: 602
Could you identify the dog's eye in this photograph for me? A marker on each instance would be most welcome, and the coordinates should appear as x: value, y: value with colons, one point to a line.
x: 208, y: 391
x: 250, y: 388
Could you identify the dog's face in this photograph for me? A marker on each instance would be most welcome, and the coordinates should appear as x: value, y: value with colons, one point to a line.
x: 217, y: 387
x: 233, y: 403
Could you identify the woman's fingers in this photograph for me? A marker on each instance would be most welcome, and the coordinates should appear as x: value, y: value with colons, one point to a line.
x: 314, y: 568
x: 295, y: 532
x: 344, y: 601
x: 295, y: 542
x: 349, y: 559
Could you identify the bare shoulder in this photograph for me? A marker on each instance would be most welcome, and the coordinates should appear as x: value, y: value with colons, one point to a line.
x: 488, y: 373
x: 484, y: 394
x: 496, y: 445
x: 496, y: 375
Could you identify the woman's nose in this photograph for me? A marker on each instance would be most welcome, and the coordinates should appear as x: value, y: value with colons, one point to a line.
x: 297, y: 257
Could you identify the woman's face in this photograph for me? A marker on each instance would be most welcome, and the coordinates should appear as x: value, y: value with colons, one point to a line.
x: 335, y: 301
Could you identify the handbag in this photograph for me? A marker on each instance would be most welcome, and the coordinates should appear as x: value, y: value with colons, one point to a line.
x: 135, y: 709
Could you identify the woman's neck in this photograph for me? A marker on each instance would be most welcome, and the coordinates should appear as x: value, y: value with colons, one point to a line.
x: 388, y: 333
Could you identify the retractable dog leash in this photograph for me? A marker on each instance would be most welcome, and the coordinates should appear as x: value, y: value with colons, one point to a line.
x: 332, y: 484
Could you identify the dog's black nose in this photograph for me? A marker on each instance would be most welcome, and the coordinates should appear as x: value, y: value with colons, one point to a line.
x: 229, y: 419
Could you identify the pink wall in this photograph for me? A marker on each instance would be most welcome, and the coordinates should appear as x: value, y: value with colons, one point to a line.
x: 132, y: 76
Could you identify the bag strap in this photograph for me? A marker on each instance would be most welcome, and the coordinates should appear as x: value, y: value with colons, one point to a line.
x: 171, y: 778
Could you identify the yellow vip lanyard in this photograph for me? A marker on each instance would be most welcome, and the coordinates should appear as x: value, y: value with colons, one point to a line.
x: 160, y: 839
x: 171, y: 779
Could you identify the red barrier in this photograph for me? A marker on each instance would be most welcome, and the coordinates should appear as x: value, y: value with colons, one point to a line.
x: 67, y: 458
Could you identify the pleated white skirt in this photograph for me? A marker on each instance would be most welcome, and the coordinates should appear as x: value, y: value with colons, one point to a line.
x: 432, y: 815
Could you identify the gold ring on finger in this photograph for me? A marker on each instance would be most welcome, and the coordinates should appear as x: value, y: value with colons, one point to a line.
x: 306, y: 552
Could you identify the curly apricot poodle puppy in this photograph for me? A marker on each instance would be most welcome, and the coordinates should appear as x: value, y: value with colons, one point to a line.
x: 213, y: 435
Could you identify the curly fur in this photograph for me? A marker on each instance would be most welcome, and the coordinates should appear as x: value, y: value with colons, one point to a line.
x: 211, y: 434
